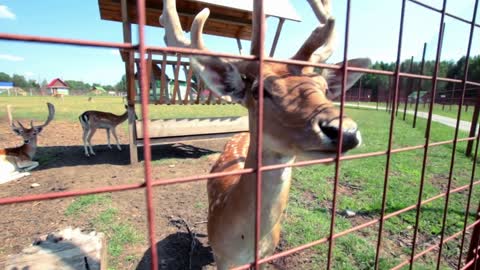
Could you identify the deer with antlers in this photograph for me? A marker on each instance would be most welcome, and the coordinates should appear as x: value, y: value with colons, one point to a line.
x: 93, y: 120
x: 16, y: 162
x: 299, y: 119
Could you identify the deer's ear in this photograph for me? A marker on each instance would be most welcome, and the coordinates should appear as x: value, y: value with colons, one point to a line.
x: 17, y: 130
x: 334, y: 77
x: 220, y: 76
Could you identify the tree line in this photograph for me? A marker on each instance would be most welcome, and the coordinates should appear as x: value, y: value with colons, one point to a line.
x: 450, y: 69
x: 26, y: 84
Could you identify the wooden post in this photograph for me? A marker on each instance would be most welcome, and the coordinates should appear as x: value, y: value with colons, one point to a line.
x: 277, y: 36
x: 163, y: 83
x: 408, y: 90
x: 176, y: 74
x: 130, y: 78
x: 239, y: 44
x: 422, y: 68
x: 474, y: 241
x: 189, y: 85
x: 473, y: 126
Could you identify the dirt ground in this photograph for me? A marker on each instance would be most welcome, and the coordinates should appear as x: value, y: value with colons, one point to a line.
x: 63, y: 167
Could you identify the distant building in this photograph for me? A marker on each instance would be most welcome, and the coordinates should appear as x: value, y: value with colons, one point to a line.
x: 6, y: 87
x: 57, y: 86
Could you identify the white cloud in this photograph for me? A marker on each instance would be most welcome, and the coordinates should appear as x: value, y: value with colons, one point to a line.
x: 10, y: 57
x: 115, y: 52
x: 29, y: 74
x: 6, y: 13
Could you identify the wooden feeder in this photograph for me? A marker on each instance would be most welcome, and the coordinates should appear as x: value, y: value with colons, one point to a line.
x: 228, y: 18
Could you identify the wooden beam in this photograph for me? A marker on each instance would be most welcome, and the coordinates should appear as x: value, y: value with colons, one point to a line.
x: 130, y: 80
x: 277, y: 36
x: 189, y: 85
x: 176, y: 75
x: 239, y: 45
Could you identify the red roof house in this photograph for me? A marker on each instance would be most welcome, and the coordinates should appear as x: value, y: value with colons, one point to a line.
x: 57, y: 86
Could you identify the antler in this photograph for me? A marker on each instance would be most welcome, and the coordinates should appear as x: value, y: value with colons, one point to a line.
x: 173, y: 29
x: 9, y: 115
x: 323, y: 35
x: 51, y: 114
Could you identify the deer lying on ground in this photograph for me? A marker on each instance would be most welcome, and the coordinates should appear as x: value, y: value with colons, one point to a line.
x: 93, y: 120
x: 299, y: 119
x: 16, y: 162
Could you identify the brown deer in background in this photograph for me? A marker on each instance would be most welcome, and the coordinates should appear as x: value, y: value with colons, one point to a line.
x: 16, y: 162
x: 93, y: 120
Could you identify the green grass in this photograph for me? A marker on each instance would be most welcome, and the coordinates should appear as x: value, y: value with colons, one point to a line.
x: 80, y: 204
x: 308, y: 214
x: 447, y: 110
x: 68, y: 110
x: 119, y: 233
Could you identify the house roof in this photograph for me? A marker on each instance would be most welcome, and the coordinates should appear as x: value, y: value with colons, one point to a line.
x: 228, y: 18
x: 56, y: 83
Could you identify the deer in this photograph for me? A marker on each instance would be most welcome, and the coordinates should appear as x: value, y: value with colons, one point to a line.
x: 299, y: 120
x: 16, y: 162
x: 93, y: 120
x: 59, y: 96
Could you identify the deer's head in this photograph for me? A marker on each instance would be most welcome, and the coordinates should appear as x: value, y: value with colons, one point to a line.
x: 30, y: 134
x: 299, y: 116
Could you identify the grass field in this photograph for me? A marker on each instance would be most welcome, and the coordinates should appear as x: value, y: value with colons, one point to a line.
x: 447, y: 110
x: 73, y: 106
x: 361, y: 185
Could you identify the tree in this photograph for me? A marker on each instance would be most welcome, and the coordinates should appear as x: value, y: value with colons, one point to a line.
x: 19, y: 81
x: 4, y: 77
x: 121, y: 86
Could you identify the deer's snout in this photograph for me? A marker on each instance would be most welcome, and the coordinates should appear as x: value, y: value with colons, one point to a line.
x: 351, y: 137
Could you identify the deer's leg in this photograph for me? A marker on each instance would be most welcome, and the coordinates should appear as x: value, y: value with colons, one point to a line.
x: 29, y: 166
x: 89, y: 139
x: 108, y: 138
x: 84, y: 137
x: 116, y: 139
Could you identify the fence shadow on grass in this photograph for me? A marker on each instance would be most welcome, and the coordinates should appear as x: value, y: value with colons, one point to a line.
x: 68, y: 156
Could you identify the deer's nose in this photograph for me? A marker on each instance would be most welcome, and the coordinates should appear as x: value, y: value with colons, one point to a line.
x: 351, y: 137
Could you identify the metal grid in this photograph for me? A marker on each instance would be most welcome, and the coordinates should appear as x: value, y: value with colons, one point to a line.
x: 143, y: 49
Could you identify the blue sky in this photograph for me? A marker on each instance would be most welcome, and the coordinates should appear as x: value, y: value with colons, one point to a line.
x: 374, y: 34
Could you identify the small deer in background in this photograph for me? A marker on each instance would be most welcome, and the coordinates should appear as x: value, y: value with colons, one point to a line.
x: 15, y: 162
x: 57, y: 95
x: 90, y: 99
x: 93, y: 120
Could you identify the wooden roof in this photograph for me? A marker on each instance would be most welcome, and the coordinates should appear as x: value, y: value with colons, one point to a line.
x: 228, y: 18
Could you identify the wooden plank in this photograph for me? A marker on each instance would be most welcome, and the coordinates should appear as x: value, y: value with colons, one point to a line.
x: 189, y: 85
x: 193, y: 126
x: 199, y: 90
x: 163, y: 82
x: 66, y: 249
x: 192, y: 138
x: 176, y: 74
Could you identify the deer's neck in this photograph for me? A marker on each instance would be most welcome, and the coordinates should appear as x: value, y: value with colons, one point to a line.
x: 122, y: 118
x: 30, y: 147
x: 275, y: 184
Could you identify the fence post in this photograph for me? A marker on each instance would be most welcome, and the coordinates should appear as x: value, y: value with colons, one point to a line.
x: 408, y: 90
x: 422, y: 68
x: 473, y: 249
x: 473, y: 126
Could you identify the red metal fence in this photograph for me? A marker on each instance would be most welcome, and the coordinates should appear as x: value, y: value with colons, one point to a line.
x: 143, y: 49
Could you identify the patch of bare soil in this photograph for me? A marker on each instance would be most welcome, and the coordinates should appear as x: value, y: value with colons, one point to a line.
x: 63, y: 167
